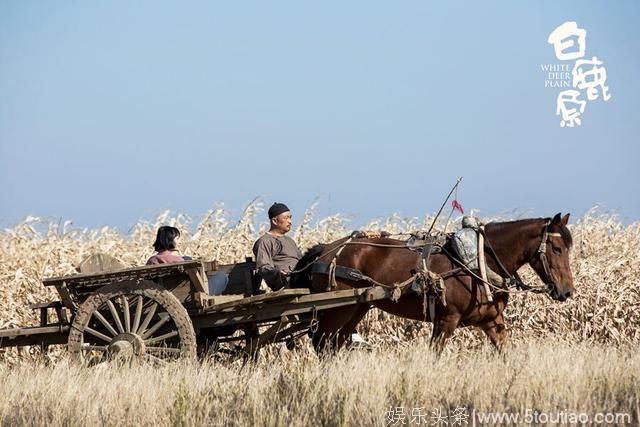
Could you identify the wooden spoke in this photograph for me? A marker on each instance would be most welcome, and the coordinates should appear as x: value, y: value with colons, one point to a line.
x: 127, y: 314
x: 97, y: 334
x: 157, y: 326
x: 104, y: 322
x: 162, y: 337
x: 138, y: 316
x: 115, y: 315
x: 147, y: 319
x: 168, y: 350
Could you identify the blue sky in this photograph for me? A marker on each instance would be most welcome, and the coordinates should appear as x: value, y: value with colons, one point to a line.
x: 114, y: 111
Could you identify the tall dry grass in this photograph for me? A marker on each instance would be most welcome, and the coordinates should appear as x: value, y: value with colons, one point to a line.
x: 353, y: 388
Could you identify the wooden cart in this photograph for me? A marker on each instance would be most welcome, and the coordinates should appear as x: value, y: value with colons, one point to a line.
x: 165, y: 311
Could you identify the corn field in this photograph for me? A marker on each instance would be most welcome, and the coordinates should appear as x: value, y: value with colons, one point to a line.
x: 580, y: 355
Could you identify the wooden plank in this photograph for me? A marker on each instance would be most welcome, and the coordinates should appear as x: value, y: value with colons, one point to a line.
x: 220, y: 299
x: 35, y: 330
x: 303, y: 297
x: 196, y: 276
x: 258, y: 299
x: 34, y: 336
x: 52, y: 304
x: 375, y: 293
x: 65, y: 295
x: 254, y: 343
x: 142, y: 271
x: 206, y: 266
x: 236, y: 318
x: 270, y: 333
x: 291, y: 330
x: 179, y: 285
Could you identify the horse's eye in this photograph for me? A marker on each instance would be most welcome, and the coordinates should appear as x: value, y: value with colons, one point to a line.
x: 556, y: 250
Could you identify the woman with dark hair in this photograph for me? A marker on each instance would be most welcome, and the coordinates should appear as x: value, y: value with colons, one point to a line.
x: 166, y: 246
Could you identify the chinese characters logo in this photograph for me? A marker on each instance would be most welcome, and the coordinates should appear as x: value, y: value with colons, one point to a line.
x: 588, y: 77
x: 421, y: 416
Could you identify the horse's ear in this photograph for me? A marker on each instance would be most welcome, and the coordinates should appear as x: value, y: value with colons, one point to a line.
x: 565, y: 219
x: 556, y: 219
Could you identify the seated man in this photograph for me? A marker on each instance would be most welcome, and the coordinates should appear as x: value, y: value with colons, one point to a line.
x: 276, y: 253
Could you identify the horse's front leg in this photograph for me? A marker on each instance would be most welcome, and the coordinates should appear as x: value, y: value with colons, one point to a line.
x: 335, y: 327
x: 496, y: 331
x: 443, y: 328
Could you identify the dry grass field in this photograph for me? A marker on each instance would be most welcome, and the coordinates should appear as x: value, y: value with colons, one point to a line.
x: 353, y: 388
x: 573, y: 359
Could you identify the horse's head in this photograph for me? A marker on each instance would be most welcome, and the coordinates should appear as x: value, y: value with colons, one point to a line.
x: 551, y: 261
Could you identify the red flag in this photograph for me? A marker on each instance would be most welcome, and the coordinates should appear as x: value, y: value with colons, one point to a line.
x: 457, y: 206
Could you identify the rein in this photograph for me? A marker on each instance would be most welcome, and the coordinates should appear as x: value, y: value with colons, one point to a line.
x: 514, y: 278
x: 341, y: 246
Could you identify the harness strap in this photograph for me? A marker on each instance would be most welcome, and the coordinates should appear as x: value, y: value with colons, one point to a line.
x: 331, y: 283
x: 495, y: 255
x: 339, y: 271
x: 428, y: 279
x: 482, y: 263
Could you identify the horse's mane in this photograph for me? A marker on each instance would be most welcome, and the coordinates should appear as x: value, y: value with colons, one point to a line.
x: 564, y: 231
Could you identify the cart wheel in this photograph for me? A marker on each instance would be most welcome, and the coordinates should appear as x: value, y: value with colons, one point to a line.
x: 132, y: 320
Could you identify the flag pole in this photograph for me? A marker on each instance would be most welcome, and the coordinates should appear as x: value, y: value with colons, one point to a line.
x: 443, y: 204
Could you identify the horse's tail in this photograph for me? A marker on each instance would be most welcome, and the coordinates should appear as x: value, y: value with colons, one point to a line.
x: 303, y: 279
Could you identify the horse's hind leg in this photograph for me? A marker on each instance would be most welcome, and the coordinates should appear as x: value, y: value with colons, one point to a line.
x: 496, y: 331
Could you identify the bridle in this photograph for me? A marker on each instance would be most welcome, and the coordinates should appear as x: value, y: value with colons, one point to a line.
x: 542, y: 252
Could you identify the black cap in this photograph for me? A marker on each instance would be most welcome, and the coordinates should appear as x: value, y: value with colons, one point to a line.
x: 276, y: 209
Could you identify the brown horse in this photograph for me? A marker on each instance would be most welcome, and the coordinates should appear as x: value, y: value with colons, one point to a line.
x: 511, y: 244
